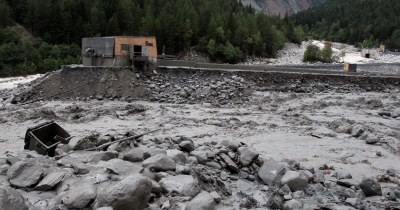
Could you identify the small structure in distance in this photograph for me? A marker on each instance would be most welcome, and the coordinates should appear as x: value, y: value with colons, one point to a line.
x: 134, y: 51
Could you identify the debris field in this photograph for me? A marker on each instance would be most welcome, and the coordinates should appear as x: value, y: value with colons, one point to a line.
x: 197, y: 139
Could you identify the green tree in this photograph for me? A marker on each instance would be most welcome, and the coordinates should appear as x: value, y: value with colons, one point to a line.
x: 5, y: 15
x: 326, y: 53
x: 312, y: 53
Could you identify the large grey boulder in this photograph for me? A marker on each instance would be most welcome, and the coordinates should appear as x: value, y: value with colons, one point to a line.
x: 50, y: 180
x: 160, y: 162
x: 233, y: 144
x: 11, y: 199
x: 104, y: 156
x: 294, y: 180
x: 275, y: 201
x: 80, y: 194
x: 132, y: 193
x: 134, y: 155
x: 395, y: 113
x: 201, y: 156
x: 292, y: 205
x: 120, y: 167
x: 203, y: 201
x: 229, y: 162
x: 271, y: 172
x: 70, y: 162
x: 187, y: 146
x: 183, y: 185
x: 349, y: 183
x: 357, y: 130
x: 25, y: 174
x: 247, y: 155
x: 177, y: 155
x: 4, y: 168
x: 74, y: 142
x: 370, y: 187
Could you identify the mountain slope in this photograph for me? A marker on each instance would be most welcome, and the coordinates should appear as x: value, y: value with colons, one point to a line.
x: 276, y: 7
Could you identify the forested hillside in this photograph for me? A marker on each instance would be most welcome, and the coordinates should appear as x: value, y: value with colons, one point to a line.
x: 225, y: 29
x: 281, y: 7
x: 361, y: 22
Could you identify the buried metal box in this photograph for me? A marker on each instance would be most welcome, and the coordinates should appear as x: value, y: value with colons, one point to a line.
x: 45, y: 137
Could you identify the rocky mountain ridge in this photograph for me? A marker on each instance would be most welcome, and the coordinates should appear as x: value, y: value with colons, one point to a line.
x: 276, y: 7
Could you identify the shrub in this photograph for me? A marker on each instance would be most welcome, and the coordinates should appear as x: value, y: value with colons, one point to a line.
x: 312, y: 53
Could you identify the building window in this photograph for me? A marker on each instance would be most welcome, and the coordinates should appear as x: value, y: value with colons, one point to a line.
x: 125, y: 47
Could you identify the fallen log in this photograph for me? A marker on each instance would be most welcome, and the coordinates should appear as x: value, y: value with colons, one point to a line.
x: 125, y: 139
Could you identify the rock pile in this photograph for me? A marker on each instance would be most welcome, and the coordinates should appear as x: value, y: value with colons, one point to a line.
x: 226, y: 89
x: 183, y: 85
x: 175, y: 173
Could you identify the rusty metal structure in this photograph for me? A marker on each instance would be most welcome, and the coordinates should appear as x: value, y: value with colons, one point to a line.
x: 133, y: 51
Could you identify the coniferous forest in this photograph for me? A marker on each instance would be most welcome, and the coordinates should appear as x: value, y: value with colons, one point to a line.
x: 365, y: 23
x: 224, y: 29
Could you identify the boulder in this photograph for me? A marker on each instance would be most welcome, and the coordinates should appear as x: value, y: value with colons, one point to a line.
x: 319, y: 177
x: 177, y: 155
x: 73, y: 142
x: 157, y: 151
x: 285, y: 190
x: 372, y: 140
x: 357, y: 131
x: 349, y: 183
x: 294, y: 180
x: 233, y: 144
x: 78, y: 166
x: 132, y: 193
x: 104, y: 156
x: 181, y: 169
x: 11, y: 199
x: 80, y: 194
x: 159, y: 162
x: 186, y: 146
x: 217, y: 197
x: 308, y: 174
x: 292, y: 205
x: 203, y: 201
x: 25, y: 174
x: 134, y: 155
x: 352, y: 201
x: 201, y: 156
x: 275, y: 201
x: 103, y: 139
x: 50, y: 180
x: 229, y: 162
x: 247, y: 155
x: 213, y: 164
x: 155, y: 187
x: 183, y: 185
x: 370, y: 187
x: 307, y: 166
x: 105, y: 208
x: 344, y: 175
x: 4, y: 168
x: 391, y: 172
x: 271, y: 172
x: 120, y: 167
x: 395, y: 113
x: 159, y: 139
x: 345, y: 155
